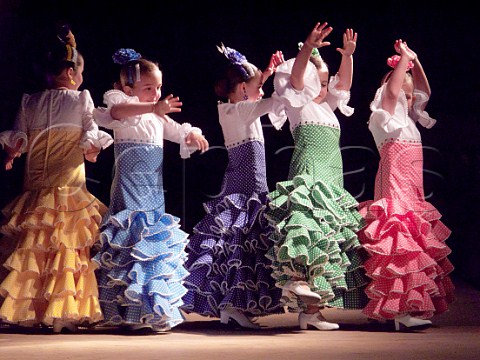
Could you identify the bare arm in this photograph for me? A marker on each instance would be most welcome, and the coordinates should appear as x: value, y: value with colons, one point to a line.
x: 419, y: 78
x: 168, y: 105
x: 314, y: 40
x: 345, y: 71
x: 395, y: 83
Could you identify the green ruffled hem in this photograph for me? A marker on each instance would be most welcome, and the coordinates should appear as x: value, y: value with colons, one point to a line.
x: 315, y: 238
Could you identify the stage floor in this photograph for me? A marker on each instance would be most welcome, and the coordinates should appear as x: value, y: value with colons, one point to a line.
x: 455, y: 335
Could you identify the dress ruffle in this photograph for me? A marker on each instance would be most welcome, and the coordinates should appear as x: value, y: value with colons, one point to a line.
x: 315, y: 240
x: 227, y: 259
x: 141, y: 274
x: 408, y: 259
x: 51, y: 275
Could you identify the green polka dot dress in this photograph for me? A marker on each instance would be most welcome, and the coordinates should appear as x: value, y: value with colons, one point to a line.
x: 315, y: 218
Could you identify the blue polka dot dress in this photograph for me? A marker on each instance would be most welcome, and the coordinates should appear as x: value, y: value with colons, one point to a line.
x: 226, y: 253
x: 142, y: 251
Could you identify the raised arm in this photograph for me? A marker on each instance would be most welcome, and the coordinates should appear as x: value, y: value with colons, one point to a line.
x: 395, y: 83
x: 314, y: 40
x: 345, y: 71
x: 419, y: 78
x: 275, y: 60
x: 165, y: 106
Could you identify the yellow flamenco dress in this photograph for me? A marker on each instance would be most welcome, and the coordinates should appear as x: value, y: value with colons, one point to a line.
x: 55, y: 223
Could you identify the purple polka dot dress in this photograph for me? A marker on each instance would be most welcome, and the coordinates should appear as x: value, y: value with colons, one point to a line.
x: 226, y: 253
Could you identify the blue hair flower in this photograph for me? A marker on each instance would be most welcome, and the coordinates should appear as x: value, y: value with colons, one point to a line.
x: 232, y: 55
x: 124, y: 56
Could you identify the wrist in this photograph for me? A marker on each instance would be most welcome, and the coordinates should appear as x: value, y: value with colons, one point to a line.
x: 153, y: 106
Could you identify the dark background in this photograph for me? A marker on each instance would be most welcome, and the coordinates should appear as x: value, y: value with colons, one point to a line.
x: 182, y: 36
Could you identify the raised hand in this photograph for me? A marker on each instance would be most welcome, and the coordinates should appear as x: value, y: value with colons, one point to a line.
x: 168, y: 105
x: 349, y: 43
x: 318, y: 34
x: 402, y: 48
x: 276, y: 59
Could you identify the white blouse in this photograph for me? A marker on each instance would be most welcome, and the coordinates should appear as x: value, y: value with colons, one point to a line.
x: 56, y: 108
x: 146, y: 128
x: 401, y: 126
x: 241, y: 122
x: 298, y: 104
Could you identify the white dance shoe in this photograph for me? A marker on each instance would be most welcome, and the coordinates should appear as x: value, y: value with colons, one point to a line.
x: 407, y: 322
x: 302, y: 290
x: 233, y: 314
x: 59, y: 325
x: 316, y: 320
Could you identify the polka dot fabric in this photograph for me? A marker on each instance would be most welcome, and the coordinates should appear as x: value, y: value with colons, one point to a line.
x: 405, y: 238
x: 226, y: 259
x: 143, y: 248
x: 316, y: 221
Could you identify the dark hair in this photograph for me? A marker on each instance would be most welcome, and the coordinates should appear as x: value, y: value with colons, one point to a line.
x: 234, y: 75
x: 62, y: 55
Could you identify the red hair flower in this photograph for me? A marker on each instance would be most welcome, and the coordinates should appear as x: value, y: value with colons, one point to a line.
x: 393, y: 61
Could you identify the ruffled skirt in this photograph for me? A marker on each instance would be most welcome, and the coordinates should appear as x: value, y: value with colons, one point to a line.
x: 226, y: 253
x: 142, y: 248
x: 405, y: 238
x: 316, y: 221
x: 54, y: 223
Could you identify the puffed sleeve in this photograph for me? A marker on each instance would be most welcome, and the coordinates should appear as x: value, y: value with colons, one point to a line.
x: 278, y: 116
x: 287, y: 95
x: 11, y: 137
x: 110, y: 98
x: 383, y: 118
x: 418, y: 113
x: 92, y: 135
x: 292, y: 96
x: 176, y: 132
x: 338, y: 98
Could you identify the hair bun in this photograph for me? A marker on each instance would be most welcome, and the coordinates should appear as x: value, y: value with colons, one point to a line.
x: 64, y: 33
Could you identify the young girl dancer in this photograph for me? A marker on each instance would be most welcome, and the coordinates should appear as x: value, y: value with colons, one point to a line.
x: 316, y: 253
x: 229, y: 276
x: 404, y: 237
x: 143, y: 249
x: 55, y: 220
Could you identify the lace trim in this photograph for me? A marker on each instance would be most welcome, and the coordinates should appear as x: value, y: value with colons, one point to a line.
x: 312, y: 122
x: 235, y: 144
x: 139, y: 141
x: 404, y: 141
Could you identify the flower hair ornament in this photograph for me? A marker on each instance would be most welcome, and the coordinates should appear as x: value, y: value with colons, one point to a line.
x: 392, y: 61
x: 129, y: 58
x: 315, y: 51
x: 238, y: 60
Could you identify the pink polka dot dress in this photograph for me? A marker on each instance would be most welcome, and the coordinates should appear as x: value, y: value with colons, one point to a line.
x: 404, y: 236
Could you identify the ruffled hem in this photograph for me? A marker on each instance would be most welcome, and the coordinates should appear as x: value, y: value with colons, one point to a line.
x: 51, y: 273
x: 50, y: 218
x: 227, y: 262
x: 315, y: 240
x: 41, y: 287
x: 141, y: 269
x: 408, y: 259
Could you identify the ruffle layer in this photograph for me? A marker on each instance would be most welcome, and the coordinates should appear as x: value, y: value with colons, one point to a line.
x: 141, y: 269
x: 227, y: 262
x: 51, y: 274
x: 315, y: 240
x: 46, y: 219
x: 408, y: 259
